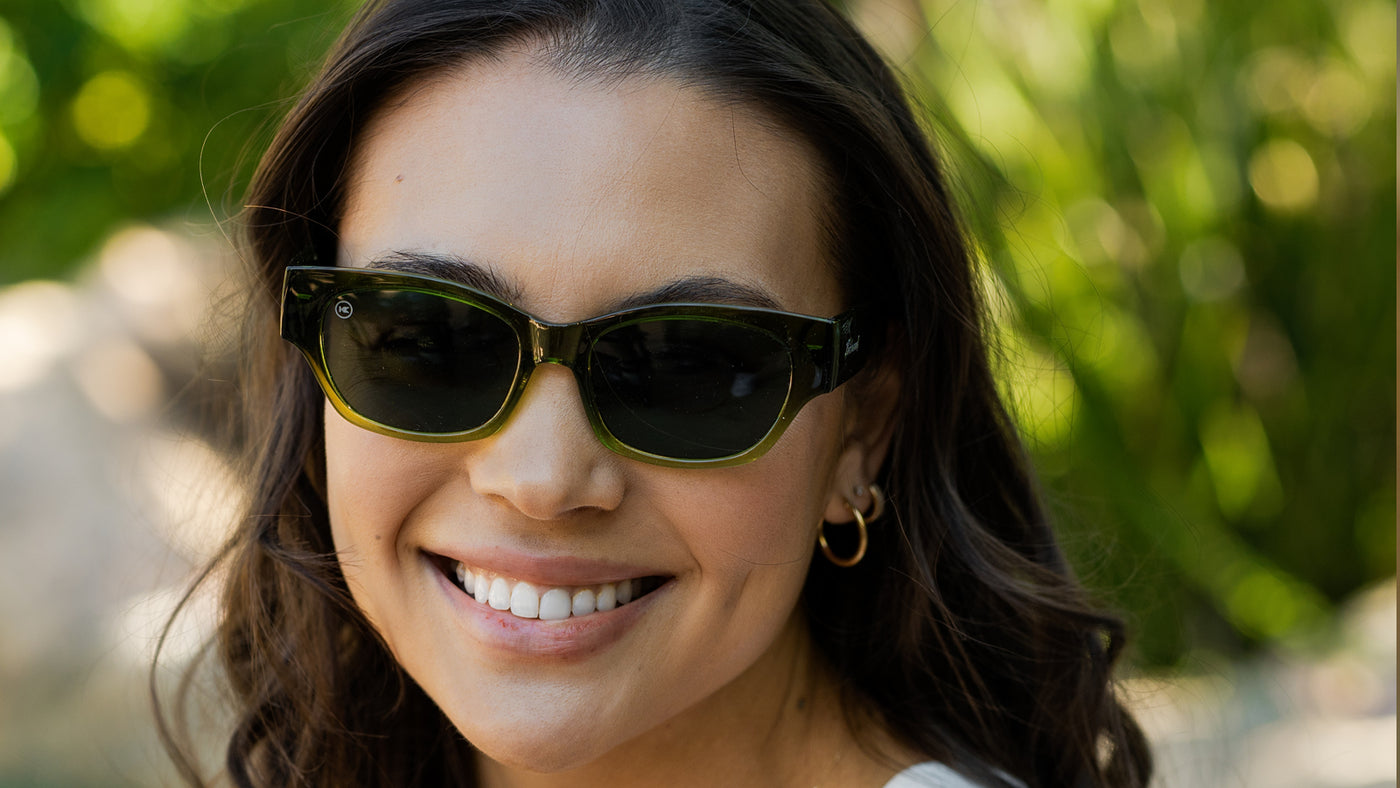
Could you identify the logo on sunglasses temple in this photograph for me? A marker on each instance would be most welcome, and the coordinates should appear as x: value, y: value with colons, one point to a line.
x: 343, y: 309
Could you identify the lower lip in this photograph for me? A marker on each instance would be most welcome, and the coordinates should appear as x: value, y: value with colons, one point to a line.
x: 569, y: 639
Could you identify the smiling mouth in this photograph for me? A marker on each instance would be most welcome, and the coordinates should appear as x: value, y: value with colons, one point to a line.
x: 547, y: 603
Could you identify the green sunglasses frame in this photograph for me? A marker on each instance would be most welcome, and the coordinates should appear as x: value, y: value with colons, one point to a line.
x: 823, y: 352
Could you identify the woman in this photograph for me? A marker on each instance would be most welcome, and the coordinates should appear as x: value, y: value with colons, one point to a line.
x: 655, y: 440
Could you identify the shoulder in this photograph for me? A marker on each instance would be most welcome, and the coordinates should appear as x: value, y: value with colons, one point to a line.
x: 932, y: 774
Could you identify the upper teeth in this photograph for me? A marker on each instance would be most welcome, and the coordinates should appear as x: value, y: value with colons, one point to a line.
x: 527, y: 600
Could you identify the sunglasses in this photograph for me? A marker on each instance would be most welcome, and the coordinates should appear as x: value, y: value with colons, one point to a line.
x: 679, y: 385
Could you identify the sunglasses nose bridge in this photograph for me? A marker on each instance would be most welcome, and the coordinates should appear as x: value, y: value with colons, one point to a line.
x: 553, y: 343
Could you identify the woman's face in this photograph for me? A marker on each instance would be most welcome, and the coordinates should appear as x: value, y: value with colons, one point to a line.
x: 573, y: 197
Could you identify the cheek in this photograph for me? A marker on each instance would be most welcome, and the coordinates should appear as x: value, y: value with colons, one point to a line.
x: 373, y: 484
x: 760, y: 519
x: 764, y: 520
x: 752, y: 533
x: 371, y: 481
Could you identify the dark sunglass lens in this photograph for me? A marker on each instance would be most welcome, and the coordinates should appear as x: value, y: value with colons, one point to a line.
x: 689, y: 388
x: 418, y: 361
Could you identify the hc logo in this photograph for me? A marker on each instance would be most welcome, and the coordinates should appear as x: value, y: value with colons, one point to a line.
x: 343, y: 309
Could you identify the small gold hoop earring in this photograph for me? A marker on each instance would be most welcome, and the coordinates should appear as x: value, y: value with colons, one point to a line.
x: 877, y: 503
x: 860, y: 549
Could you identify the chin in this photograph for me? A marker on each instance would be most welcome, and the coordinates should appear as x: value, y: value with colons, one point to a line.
x: 538, y: 748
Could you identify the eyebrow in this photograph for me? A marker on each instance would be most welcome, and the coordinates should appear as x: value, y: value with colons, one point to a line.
x: 702, y: 289
x: 452, y: 268
x: 699, y: 289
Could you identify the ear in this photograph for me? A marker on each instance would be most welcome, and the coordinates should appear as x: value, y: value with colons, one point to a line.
x: 870, y: 405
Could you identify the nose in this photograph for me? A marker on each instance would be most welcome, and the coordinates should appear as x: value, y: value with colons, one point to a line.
x: 546, y: 462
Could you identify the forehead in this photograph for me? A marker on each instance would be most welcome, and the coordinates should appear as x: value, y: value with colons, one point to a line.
x: 578, y: 195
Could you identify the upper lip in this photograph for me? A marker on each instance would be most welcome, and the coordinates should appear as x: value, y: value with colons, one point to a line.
x: 559, y: 570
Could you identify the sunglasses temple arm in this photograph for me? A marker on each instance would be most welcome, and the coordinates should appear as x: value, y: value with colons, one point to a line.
x: 296, y: 307
x: 852, y: 344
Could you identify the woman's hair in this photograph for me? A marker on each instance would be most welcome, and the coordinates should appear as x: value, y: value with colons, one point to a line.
x: 962, y: 631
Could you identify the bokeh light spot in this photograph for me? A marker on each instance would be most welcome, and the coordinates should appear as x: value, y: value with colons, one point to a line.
x: 1145, y: 48
x: 1102, y: 235
x: 1284, y: 176
x: 1051, y: 52
x: 138, y: 25
x: 1369, y: 31
x: 112, y: 110
x: 1337, y: 103
x: 1211, y: 269
x: 121, y: 381
x: 151, y: 270
x: 1266, y: 365
x: 143, y: 264
x: 38, y: 325
x: 1278, y: 80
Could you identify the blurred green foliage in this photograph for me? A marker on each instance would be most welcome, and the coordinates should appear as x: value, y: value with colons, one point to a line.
x: 1188, y: 209
x: 117, y: 110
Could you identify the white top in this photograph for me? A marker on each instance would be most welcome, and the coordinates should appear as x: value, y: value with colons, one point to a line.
x: 932, y: 774
x: 929, y: 775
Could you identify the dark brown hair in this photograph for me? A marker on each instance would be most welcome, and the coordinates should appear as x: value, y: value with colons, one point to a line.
x: 968, y: 635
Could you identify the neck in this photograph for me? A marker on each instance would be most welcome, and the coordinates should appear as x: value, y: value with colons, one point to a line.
x: 753, y: 731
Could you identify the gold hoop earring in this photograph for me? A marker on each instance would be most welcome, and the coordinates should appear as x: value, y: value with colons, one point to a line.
x: 860, y: 549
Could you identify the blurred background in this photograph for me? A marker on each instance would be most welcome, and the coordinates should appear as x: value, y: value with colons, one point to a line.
x: 1187, y: 210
